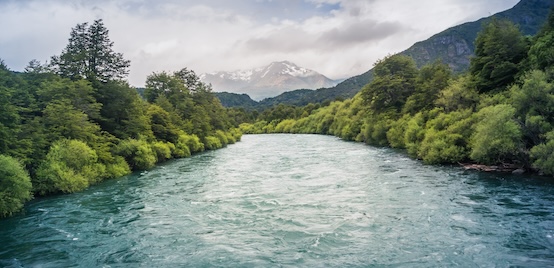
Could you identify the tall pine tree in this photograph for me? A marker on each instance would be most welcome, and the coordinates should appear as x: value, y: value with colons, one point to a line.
x: 90, y: 55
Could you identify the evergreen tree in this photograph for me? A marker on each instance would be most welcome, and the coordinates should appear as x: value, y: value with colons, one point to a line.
x: 499, y: 49
x: 90, y: 55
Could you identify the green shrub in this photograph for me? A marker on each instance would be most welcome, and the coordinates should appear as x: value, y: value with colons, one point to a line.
x: 414, y: 134
x: 230, y: 138
x: 15, y: 186
x: 497, y: 136
x: 194, y: 143
x: 212, y: 143
x: 236, y: 133
x: 285, y: 126
x: 542, y: 155
x: 117, y: 168
x: 376, y: 131
x: 162, y: 150
x: 70, y: 166
x: 395, y: 135
x: 441, y: 147
x: 187, y: 144
x: 137, y: 153
x: 222, y: 137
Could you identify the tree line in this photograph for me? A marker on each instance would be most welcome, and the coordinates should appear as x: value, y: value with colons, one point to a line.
x: 74, y: 121
x: 499, y: 112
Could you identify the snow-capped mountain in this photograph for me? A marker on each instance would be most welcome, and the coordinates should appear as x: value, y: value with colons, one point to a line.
x: 268, y: 81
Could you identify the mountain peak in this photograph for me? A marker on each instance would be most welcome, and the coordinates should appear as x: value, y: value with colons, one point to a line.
x: 267, y: 81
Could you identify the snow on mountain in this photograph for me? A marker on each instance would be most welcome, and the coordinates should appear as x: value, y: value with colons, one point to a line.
x: 268, y: 81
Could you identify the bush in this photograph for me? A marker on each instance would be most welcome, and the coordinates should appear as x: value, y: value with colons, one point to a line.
x: 376, y: 131
x: 497, y: 136
x: 194, y: 143
x: 162, y: 150
x: 117, y: 168
x: 181, y: 149
x: 395, y: 135
x: 137, y: 153
x: 446, y: 137
x: 212, y: 143
x: 236, y: 133
x: 441, y: 147
x: 414, y: 134
x: 70, y: 166
x: 187, y: 144
x: 285, y: 126
x: 222, y: 137
x: 15, y: 186
x: 542, y: 155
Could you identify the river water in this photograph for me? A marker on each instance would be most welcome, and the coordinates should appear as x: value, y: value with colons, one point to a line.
x: 291, y: 201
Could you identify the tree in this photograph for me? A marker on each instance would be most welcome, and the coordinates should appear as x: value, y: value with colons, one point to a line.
x: 394, y: 82
x: 10, y: 120
x: 62, y: 120
x: 90, y: 55
x: 79, y: 93
x: 541, y: 52
x: 123, y: 111
x: 534, y: 103
x: 15, y: 186
x: 542, y: 155
x: 499, y: 49
x: 138, y: 153
x: 497, y: 137
x: 191, y: 81
x: 70, y: 166
x: 431, y: 79
x: 161, y: 124
x: 458, y: 95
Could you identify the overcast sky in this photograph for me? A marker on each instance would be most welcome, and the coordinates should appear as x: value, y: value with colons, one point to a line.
x: 338, y: 38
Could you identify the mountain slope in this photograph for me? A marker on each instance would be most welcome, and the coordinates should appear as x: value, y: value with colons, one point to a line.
x: 267, y: 81
x: 235, y: 100
x: 453, y: 46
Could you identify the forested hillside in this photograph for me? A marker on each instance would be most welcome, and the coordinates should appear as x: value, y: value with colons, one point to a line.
x: 454, y: 47
x: 75, y: 122
x: 499, y: 113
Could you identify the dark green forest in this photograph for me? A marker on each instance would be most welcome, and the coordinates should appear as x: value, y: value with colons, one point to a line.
x: 74, y: 121
x: 499, y: 113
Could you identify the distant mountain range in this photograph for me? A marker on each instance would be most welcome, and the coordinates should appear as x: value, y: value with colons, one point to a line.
x: 454, y: 46
x: 267, y: 81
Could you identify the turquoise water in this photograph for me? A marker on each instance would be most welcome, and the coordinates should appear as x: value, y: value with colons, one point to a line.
x: 291, y: 201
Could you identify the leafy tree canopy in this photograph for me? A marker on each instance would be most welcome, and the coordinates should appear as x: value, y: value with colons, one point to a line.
x: 90, y: 55
x: 499, y: 49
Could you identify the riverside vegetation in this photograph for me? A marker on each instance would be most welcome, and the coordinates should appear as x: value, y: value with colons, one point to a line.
x: 499, y: 112
x: 74, y: 121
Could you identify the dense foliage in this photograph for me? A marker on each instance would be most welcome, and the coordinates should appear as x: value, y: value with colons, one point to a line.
x: 499, y: 113
x: 74, y: 122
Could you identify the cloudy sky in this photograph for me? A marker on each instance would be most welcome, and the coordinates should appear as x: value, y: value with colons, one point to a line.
x: 339, y: 38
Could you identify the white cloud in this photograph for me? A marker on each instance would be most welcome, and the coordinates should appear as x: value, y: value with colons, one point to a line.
x: 339, y: 38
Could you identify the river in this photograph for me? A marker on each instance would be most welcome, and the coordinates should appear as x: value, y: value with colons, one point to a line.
x: 291, y: 201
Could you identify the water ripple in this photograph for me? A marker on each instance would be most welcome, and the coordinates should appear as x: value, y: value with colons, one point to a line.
x: 291, y: 200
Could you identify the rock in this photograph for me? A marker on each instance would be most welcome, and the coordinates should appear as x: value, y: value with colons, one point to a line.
x: 518, y: 171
